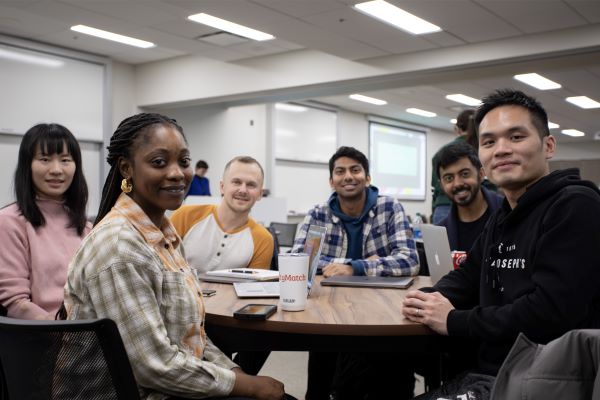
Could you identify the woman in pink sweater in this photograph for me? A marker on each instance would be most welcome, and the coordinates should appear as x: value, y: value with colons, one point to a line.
x: 41, y: 231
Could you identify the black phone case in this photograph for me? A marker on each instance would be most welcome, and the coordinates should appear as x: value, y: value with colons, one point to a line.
x: 238, y: 314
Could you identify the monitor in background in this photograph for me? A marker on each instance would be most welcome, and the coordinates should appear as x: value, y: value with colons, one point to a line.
x: 398, y: 156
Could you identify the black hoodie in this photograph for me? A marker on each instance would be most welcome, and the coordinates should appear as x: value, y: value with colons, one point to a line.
x: 535, y: 269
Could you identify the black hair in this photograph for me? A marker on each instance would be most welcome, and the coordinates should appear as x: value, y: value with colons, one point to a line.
x: 121, y: 146
x: 244, y: 160
x: 51, y: 139
x: 350, y: 152
x: 511, y: 97
x: 201, y: 164
x: 465, y: 121
x: 451, y: 153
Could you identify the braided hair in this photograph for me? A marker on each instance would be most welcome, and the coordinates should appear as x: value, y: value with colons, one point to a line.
x: 121, y: 145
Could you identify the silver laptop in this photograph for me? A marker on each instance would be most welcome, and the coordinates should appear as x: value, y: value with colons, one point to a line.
x: 313, y: 245
x: 437, y: 250
x: 369, y: 281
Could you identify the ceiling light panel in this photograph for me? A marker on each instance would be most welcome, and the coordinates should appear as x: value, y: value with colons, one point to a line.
x: 397, y: 17
x: 115, y: 37
x: 573, y: 132
x: 552, y: 125
x: 422, y: 113
x: 583, y: 102
x: 367, y: 99
x: 537, y: 81
x: 464, y: 99
x: 231, y: 27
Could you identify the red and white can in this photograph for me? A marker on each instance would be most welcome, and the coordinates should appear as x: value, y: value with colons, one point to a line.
x: 458, y: 257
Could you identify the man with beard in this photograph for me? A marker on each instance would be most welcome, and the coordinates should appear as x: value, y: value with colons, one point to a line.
x: 461, y: 176
x: 224, y: 235
x: 367, y: 234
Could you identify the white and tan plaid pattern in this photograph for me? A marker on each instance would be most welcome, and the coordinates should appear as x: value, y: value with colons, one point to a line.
x: 134, y: 273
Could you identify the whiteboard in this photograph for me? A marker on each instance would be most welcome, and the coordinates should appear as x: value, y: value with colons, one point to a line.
x: 304, y: 133
x: 9, y: 152
x: 303, y: 184
x: 42, y: 87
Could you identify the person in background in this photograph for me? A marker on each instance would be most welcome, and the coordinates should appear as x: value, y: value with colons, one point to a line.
x: 41, y: 231
x: 131, y: 269
x: 367, y: 234
x: 461, y: 176
x: 223, y: 235
x: 200, y: 185
x: 465, y: 131
x: 534, y: 268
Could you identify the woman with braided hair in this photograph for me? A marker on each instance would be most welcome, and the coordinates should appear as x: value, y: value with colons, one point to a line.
x: 131, y: 269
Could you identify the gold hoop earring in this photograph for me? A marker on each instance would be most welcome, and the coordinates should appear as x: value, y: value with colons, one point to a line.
x: 126, y: 186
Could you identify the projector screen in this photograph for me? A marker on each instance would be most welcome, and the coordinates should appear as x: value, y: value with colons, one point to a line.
x: 397, y: 157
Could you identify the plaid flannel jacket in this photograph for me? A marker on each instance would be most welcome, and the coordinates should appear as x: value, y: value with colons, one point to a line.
x: 129, y: 270
x: 386, y: 235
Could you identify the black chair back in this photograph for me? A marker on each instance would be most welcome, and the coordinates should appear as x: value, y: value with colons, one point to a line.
x: 274, y: 259
x: 286, y: 233
x: 63, y: 360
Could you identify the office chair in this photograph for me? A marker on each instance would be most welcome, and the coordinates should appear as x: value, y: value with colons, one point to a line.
x: 74, y: 360
x: 286, y: 233
x: 275, y: 257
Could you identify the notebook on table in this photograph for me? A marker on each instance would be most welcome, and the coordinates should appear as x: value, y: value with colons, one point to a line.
x: 368, y: 281
x: 315, y: 238
x: 437, y: 250
x: 248, y: 274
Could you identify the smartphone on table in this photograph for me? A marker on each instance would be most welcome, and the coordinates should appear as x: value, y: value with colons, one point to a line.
x: 255, y: 311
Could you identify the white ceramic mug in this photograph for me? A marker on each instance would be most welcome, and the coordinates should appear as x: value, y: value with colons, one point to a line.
x: 293, y: 276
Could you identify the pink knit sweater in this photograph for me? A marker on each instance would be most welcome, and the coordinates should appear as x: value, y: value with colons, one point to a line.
x: 34, y: 262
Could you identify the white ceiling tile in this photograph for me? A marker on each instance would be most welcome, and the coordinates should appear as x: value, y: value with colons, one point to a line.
x: 71, y: 15
x: 588, y: 9
x: 25, y: 24
x: 185, y: 28
x: 283, y: 26
x: 444, y: 39
x: 301, y: 8
x: 462, y: 18
x: 350, y: 23
x: 139, y: 12
x: 532, y: 16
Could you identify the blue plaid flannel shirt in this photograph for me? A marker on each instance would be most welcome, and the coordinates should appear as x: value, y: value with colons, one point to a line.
x: 386, y: 234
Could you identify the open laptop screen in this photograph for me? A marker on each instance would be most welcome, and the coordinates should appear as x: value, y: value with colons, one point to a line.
x: 312, y: 246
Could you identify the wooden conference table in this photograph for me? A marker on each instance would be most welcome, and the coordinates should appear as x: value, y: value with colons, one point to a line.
x: 335, y: 319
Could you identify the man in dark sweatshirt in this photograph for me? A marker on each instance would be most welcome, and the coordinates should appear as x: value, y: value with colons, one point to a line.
x: 367, y: 234
x: 534, y: 269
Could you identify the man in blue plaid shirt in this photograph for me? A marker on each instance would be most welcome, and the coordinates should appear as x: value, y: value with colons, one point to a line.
x: 367, y: 234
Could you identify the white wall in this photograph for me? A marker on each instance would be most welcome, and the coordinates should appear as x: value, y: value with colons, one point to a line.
x: 217, y: 134
x: 577, y: 151
x: 123, y: 94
